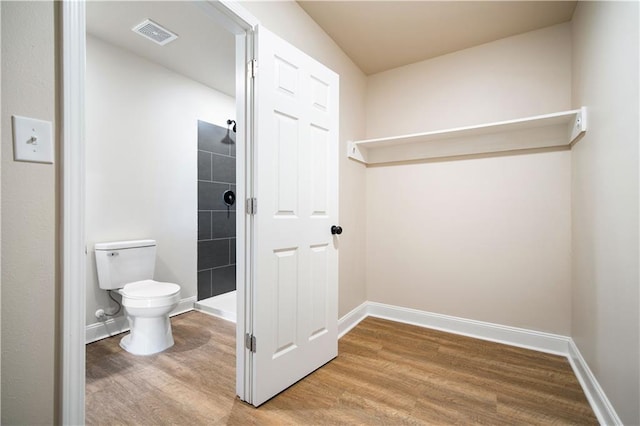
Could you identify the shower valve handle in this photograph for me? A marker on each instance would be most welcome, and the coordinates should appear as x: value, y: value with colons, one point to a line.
x: 229, y: 198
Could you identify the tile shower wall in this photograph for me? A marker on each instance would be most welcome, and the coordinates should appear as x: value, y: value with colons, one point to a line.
x: 216, y: 222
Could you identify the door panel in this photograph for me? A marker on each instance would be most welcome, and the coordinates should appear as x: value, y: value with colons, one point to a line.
x: 295, y: 276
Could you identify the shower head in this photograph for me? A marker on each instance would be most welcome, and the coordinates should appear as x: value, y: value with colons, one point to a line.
x: 234, y: 124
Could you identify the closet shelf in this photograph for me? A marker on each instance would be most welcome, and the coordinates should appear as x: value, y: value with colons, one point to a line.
x: 543, y: 131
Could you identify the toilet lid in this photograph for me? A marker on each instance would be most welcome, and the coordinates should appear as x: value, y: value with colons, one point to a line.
x: 149, y: 289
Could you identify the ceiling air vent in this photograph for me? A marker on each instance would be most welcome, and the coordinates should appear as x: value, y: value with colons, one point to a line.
x: 154, y: 32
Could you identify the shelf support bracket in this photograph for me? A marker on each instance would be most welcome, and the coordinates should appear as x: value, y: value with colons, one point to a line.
x: 579, y: 126
x: 354, y: 152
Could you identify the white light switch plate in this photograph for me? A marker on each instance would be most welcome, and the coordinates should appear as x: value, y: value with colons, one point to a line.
x: 32, y: 140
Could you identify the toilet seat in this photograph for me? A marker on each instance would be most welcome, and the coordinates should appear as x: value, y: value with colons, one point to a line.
x: 149, y: 293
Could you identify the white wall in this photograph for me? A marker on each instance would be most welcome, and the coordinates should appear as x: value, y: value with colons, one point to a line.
x: 141, y: 143
x: 606, y: 321
x: 482, y: 238
x: 290, y: 22
x: 29, y: 233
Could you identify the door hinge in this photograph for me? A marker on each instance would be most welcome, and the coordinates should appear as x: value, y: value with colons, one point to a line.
x: 250, y: 342
x: 252, y: 206
x: 252, y: 68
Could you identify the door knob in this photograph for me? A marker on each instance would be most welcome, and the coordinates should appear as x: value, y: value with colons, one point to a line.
x: 336, y: 230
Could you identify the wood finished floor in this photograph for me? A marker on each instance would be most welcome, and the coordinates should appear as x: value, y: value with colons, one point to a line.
x: 386, y: 373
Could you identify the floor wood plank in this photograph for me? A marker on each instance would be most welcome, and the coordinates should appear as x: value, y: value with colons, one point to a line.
x: 386, y: 373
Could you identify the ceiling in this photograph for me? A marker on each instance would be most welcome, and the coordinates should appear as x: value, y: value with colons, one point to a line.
x: 381, y: 35
x: 204, y: 51
x: 376, y: 35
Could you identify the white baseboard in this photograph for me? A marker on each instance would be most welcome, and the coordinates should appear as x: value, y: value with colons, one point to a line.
x: 103, y: 329
x: 513, y: 336
x: 112, y: 326
x: 529, y: 339
x: 185, y: 305
x: 353, y: 318
x: 599, y: 402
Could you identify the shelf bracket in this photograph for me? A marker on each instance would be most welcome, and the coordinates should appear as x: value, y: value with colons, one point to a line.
x: 354, y: 152
x: 579, y: 126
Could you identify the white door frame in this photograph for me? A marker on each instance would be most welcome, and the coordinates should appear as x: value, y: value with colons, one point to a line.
x: 73, y: 246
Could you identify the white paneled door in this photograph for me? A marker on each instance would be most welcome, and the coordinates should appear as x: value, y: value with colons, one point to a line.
x: 295, y: 276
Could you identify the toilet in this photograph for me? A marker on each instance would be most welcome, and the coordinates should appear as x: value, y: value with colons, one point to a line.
x: 127, y: 267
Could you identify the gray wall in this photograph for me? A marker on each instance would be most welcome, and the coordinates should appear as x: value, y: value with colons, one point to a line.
x: 216, y: 221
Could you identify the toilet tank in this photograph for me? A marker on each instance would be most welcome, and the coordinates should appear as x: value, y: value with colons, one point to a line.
x: 123, y: 262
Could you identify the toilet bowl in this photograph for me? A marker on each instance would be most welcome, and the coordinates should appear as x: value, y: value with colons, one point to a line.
x: 148, y: 304
x: 127, y: 267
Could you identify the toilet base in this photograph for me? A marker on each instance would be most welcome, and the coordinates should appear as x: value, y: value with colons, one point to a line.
x: 148, y: 336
